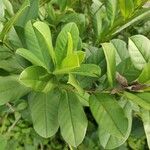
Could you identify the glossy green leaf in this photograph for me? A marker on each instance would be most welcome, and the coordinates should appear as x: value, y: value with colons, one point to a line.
x: 62, y: 41
x: 90, y: 70
x: 145, y: 75
x: 72, y: 119
x: 14, y: 19
x: 126, y: 7
x: 11, y: 89
x: 109, y: 51
x: 109, y: 114
x: 142, y: 99
x: 109, y: 141
x: 44, y: 112
x: 37, y: 78
x: 145, y: 115
x: 139, y: 50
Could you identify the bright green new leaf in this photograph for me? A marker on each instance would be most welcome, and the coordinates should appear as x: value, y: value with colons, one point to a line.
x: 126, y: 7
x: 37, y: 78
x: 44, y: 112
x: 139, y: 50
x: 72, y: 119
x: 109, y: 141
x: 145, y: 115
x: 142, y: 99
x: 109, y: 114
x: 81, y: 56
x: 11, y: 89
x: 90, y: 70
x: 145, y: 75
x: 62, y: 41
x: 70, y: 45
x: 68, y: 64
x: 109, y: 51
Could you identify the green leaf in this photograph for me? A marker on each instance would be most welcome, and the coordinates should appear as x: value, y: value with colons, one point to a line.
x: 126, y: 7
x: 44, y: 31
x: 11, y: 89
x: 111, y: 9
x: 90, y: 70
x: 142, y: 99
x: 30, y: 57
x: 68, y: 64
x: 70, y: 45
x: 14, y: 19
x: 38, y: 40
x: 139, y: 50
x: 109, y: 141
x: 62, y: 41
x: 44, y: 112
x: 138, y: 16
x: 145, y: 75
x: 145, y: 115
x: 37, y: 78
x: 72, y: 119
x: 81, y: 56
x: 109, y: 51
x: 121, y: 50
x: 30, y: 13
x: 108, y: 114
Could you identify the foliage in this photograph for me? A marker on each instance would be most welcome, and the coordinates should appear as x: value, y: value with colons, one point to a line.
x: 79, y: 66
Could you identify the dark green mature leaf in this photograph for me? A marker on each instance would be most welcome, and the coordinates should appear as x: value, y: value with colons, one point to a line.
x: 127, y: 69
x: 37, y: 78
x: 30, y: 13
x: 145, y: 75
x: 109, y: 141
x: 121, y: 50
x: 11, y: 89
x: 90, y: 70
x: 109, y: 114
x: 126, y: 7
x: 139, y: 50
x: 14, y: 19
x: 38, y: 40
x: 145, y: 115
x: 109, y: 51
x: 72, y: 119
x: 44, y: 112
x: 62, y: 41
x: 111, y: 9
x: 142, y: 99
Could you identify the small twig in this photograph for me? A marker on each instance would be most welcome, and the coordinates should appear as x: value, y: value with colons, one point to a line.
x: 13, y: 125
x: 10, y: 107
x: 70, y: 147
